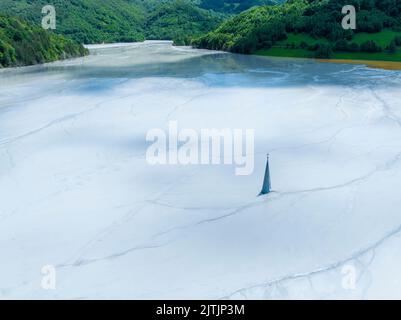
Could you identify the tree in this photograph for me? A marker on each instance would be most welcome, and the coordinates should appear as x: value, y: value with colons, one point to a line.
x: 353, y: 47
x: 397, y: 41
x: 370, y: 46
x: 324, y: 51
x: 303, y: 45
x: 341, y: 45
x: 392, y: 48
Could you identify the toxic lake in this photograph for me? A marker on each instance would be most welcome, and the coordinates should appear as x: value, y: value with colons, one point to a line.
x: 78, y: 194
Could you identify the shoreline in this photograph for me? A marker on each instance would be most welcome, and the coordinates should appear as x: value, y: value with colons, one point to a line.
x: 377, y: 64
x: 393, y: 65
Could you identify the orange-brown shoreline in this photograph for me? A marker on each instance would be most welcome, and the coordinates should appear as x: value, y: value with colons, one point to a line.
x: 387, y: 65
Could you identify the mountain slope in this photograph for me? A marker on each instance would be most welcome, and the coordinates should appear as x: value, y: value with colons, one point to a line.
x: 180, y: 20
x: 97, y: 21
x: 234, y: 6
x: 312, y: 29
x: 86, y: 21
x: 252, y: 29
x: 24, y: 44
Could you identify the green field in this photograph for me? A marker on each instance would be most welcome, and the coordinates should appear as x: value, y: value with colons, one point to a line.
x: 380, y: 56
x: 383, y: 38
x: 300, y: 53
x: 298, y: 38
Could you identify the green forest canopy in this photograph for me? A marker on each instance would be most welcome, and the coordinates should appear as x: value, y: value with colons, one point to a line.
x: 86, y: 21
x: 22, y: 43
x: 234, y: 6
x: 97, y: 21
x: 317, y: 23
x: 306, y: 28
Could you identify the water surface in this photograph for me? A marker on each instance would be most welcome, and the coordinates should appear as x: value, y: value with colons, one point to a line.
x: 77, y: 192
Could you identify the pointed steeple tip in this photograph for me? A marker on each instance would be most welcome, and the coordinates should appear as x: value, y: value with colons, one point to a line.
x: 266, y: 189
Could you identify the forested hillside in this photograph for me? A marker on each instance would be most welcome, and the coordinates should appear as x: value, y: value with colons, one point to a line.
x: 299, y: 28
x: 97, y: 21
x: 24, y: 44
x: 180, y: 21
x: 312, y: 29
x: 253, y: 29
x: 235, y: 6
x: 86, y: 21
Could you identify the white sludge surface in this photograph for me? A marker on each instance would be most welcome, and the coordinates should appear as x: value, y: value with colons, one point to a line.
x: 77, y: 193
